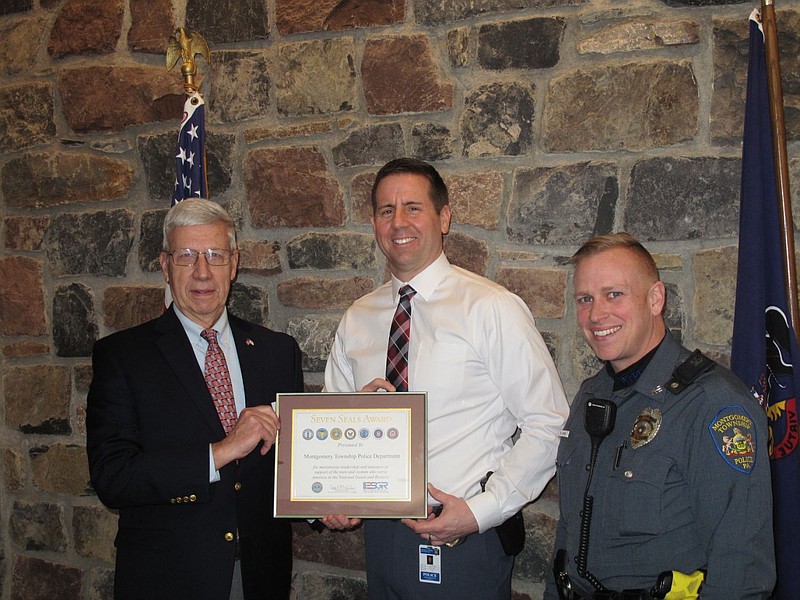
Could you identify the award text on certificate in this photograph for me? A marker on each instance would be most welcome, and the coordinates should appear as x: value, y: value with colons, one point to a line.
x: 351, y: 454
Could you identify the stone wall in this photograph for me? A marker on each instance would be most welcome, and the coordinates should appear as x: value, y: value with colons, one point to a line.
x: 550, y: 120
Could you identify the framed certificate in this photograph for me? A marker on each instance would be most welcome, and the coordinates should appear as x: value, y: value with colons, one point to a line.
x: 361, y: 455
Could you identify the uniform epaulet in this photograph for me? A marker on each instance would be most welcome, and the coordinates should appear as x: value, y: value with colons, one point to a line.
x: 689, y: 370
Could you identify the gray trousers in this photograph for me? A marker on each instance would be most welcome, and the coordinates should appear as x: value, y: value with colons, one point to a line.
x: 476, y: 569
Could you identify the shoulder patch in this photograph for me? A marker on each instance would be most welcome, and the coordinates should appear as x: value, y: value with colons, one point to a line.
x: 734, y: 435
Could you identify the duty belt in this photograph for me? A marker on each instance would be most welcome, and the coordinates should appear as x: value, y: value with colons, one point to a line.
x: 671, y: 585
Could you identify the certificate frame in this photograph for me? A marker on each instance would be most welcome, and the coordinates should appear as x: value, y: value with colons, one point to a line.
x: 330, y: 460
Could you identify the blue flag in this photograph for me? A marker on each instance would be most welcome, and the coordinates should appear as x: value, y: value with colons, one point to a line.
x: 764, y: 344
x: 190, y: 160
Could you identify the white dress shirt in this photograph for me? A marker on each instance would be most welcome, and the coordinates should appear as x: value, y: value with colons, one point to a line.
x: 477, y: 353
x: 228, y: 346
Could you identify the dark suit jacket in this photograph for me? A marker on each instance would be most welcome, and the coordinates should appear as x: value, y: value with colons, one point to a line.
x: 150, y: 420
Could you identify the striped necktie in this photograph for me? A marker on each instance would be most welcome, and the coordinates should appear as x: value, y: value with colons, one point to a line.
x: 399, y: 335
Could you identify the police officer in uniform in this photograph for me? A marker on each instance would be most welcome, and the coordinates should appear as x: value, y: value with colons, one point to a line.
x: 663, y: 470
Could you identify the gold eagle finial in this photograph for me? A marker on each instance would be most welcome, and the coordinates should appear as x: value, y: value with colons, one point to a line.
x: 183, y: 47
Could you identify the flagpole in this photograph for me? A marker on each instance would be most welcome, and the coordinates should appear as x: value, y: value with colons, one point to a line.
x: 780, y: 159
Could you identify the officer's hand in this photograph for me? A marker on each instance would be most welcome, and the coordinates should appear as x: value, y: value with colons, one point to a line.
x: 455, y: 522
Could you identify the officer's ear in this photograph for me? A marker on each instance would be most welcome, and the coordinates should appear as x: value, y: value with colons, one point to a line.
x: 657, y: 298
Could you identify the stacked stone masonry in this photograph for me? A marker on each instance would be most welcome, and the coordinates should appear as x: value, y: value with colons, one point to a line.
x: 550, y: 120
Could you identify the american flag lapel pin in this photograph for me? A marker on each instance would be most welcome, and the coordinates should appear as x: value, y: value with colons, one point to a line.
x: 249, y: 342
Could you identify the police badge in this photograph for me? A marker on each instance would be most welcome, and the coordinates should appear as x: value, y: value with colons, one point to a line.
x: 646, y: 427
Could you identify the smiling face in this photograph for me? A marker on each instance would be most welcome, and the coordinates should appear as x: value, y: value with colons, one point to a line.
x: 200, y: 291
x: 618, y: 304
x: 407, y: 228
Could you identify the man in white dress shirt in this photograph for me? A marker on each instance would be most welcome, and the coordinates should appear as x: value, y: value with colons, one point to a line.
x: 475, y: 350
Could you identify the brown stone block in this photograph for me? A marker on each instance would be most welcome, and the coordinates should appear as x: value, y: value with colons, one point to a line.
x: 315, y: 336
x: 61, y: 469
x: 260, y: 257
x: 228, y: 21
x: 291, y: 187
x: 25, y: 349
x: 459, y: 47
x: 26, y: 116
x: 37, y: 399
x: 361, y: 197
x: 19, y: 44
x: 288, y: 131
x: 436, y: 12
x: 45, y: 180
x: 52, y: 580
x: 104, y: 99
x: 467, y: 252
x: 633, y: 106
x: 94, y: 529
x: 400, y: 75
x: 498, y: 120
x: 83, y: 377
x: 521, y: 44
x: 25, y: 232
x: 240, y: 87
x: 86, y: 27
x: 15, y: 470
x: 543, y: 290
x: 639, y: 34
x: 715, y: 295
x: 38, y: 526
x: 475, y: 198
x: 21, y: 297
x: 324, y: 251
x: 318, y: 293
x: 152, y: 22
x: 562, y: 204
x: 100, y: 584
x: 296, y: 16
x: 341, y: 549
x: 125, y: 306
x: 316, y: 77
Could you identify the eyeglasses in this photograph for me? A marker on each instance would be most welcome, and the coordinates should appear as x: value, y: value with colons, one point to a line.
x: 187, y: 257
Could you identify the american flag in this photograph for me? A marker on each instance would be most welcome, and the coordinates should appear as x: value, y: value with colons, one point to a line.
x: 190, y: 160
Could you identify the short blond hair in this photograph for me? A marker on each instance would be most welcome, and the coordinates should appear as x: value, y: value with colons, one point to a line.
x: 624, y: 240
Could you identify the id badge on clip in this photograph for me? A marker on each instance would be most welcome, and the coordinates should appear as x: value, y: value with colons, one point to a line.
x: 430, y: 564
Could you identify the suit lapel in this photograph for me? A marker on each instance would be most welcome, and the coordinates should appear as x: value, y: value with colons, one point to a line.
x: 179, y: 355
x: 251, y: 360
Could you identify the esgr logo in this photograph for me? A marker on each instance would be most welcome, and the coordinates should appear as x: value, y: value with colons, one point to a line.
x: 376, y: 486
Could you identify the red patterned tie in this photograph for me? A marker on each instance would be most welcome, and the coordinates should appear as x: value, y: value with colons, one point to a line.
x: 218, y: 380
x: 399, y: 335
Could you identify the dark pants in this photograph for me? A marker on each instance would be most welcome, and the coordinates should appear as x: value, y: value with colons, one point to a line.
x: 477, y: 568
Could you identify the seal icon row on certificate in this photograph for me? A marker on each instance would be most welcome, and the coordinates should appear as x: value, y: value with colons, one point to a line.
x: 336, y: 433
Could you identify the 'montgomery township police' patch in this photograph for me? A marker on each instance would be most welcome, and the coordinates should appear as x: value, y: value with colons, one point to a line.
x: 735, y: 437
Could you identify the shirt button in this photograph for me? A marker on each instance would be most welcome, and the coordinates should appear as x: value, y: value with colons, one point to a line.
x: 237, y: 486
x: 628, y: 474
x: 229, y: 537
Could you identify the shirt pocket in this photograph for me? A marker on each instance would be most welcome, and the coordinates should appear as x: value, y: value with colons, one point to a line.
x: 439, y: 370
x: 638, y: 491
